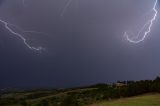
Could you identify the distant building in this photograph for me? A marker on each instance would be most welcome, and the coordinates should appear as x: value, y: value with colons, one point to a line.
x: 120, y: 84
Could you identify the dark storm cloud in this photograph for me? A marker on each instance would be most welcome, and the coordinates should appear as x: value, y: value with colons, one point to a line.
x: 1, y: 1
x: 83, y: 47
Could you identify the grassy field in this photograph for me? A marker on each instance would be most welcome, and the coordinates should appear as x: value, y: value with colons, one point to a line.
x: 144, y: 100
x: 42, y: 97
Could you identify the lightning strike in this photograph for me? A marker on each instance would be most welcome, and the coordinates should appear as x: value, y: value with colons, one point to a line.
x: 7, y: 26
x: 65, y: 7
x: 149, y: 24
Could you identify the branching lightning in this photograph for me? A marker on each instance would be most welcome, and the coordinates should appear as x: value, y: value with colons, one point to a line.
x: 149, y: 24
x: 7, y: 26
x: 146, y: 29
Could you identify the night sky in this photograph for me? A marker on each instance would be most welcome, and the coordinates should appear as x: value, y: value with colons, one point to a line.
x: 84, y: 46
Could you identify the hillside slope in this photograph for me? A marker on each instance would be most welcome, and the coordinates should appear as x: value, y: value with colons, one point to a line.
x: 144, y: 100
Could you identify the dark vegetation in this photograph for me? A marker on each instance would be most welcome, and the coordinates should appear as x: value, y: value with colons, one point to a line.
x: 79, y: 96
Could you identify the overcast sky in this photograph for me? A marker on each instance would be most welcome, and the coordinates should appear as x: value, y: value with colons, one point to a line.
x: 84, y: 42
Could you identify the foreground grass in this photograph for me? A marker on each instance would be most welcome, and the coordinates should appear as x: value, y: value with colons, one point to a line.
x: 144, y: 100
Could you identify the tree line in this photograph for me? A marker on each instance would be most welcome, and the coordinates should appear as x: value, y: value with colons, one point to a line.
x: 87, y: 95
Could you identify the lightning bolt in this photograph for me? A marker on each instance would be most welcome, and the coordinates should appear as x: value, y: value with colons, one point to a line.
x: 65, y: 7
x: 149, y: 24
x: 7, y: 26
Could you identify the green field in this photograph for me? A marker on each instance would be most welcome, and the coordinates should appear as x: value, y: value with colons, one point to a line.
x: 144, y: 100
